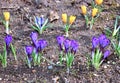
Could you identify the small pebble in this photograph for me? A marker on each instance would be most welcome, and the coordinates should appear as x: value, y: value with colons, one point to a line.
x: 0, y: 79
x: 50, y: 67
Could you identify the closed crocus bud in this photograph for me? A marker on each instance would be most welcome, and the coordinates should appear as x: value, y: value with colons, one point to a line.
x: 74, y: 46
x: 72, y: 19
x: 34, y: 37
x: 98, y: 2
x: 94, y: 12
x: 60, y: 40
x: 8, y: 40
x: 67, y: 45
x: 84, y: 9
x: 106, y: 54
x: 95, y: 42
x: 64, y: 18
x: 42, y: 44
x: 6, y: 16
x: 29, y: 50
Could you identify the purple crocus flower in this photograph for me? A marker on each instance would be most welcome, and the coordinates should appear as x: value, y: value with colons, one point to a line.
x: 29, y: 50
x: 8, y: 40
x: 60, y: 40
x: 106, y: 54
x: 39, y: 21
x: 41, y: 44
x: 105, y: 43
x: 95, y: 42
x: 34, y: 37
x: 67, y: 45
x: 74, y: 46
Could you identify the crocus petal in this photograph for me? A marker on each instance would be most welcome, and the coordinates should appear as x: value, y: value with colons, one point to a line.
x: 8, y: 40
x: 95, y: 42
x: 64, y: 18
x: 29, y: 50
x: 41, y: 22
x: 94, y: 12
x: 72, y: 19
x: 84, y: 9
x: 106, y: 54
x: 98, y: 2
x: 6, y: 16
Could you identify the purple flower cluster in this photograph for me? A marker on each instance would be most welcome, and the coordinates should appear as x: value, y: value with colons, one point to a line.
x: 67, y: 45
x: 101, y: 42
x: 38, y: 45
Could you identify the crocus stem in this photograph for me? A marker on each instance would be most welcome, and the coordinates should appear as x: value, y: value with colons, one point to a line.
x: 86, y: 20
x: 7, y: 27
x: 67, y: 34
x: 92, y: 22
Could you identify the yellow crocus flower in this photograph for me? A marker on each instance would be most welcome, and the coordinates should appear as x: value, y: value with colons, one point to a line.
x: 98, y: 2
x: 84, y: 9
x: 6, y: 16
x: 72, y: 19
x: 64, y: 18
x: 94, y: 12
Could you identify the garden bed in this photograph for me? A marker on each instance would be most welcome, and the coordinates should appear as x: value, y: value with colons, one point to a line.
x: 22, y: 14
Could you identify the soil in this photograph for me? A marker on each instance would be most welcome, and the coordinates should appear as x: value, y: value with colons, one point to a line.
x: 22, y: 14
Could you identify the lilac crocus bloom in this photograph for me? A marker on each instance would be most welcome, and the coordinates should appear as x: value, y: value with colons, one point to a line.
x: 74, y: 46
x: 106, y: 54
x: 105, y: 43
x: 34, y: 37
x: 67, y: 45
x: 60, y: 40
x: 8, y: 40
x: 39, y: 21
x: 41, y: 44
x: 95, y: 42
x: 29, y: 50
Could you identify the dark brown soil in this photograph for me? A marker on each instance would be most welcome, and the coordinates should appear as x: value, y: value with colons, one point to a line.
x: 22, y: 13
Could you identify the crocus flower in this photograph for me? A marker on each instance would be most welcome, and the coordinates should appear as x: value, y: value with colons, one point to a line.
x: 39, y: 21
x: 8, y: 40
x: 60, y: 40
x: 101, y: 38
x: 94, y: 12
x: 34, y: 37
x: 84, y: 9
x: 74, y: 46
x: 95, y: 42
x: 105, y: 43
x: 98, y: 2
x: 6, y: 16
x: 106, y: 54
x: 72, y: 19
x: 67, y: 45
x: 64, y: 18
x: 41, y: 44
x: 29, y: 50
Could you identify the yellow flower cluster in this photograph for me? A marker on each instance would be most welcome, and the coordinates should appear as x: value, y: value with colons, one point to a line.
x: 6, y: 16
x: 65, y: 18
